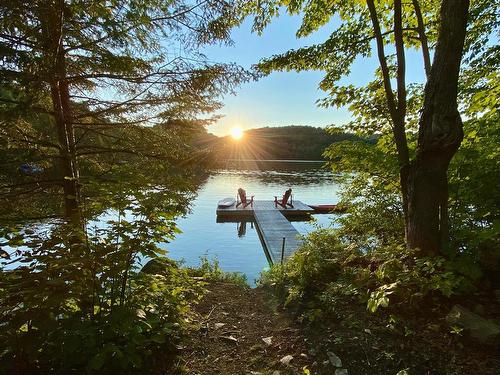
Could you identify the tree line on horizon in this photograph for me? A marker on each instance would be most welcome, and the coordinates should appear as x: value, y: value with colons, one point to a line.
x: 291, y: 142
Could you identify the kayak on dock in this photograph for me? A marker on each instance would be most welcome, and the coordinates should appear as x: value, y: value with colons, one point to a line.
x: 226, y: 202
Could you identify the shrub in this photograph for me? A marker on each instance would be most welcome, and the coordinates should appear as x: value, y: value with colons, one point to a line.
x: 327, y: 273
x: 211, y: 271
x: 81, y: 304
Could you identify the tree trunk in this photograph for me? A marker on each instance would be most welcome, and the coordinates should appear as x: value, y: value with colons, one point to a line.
x: 68, y: 165
x: 397, y: 110
x: 439, y: 137
x: 55, y: 57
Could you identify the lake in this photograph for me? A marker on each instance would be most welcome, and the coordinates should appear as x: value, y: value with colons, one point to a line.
x: 203, y: 236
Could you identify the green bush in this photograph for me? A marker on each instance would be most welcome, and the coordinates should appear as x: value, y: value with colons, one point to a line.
x: 371, y: 191
x: 211, y: 271
x: 63, y: 339
x: 327, y: 273
x: 81, y: 303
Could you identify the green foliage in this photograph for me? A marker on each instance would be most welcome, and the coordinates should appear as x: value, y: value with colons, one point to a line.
x: 351, y: 40
x: 375, y: 215
x: 474, y: 198
x: 375, y: 218
x: 413, y: 279
x: 118, y: 57
x: 376, y: 112
x: 327, y: 274
x: 73, y: 297
x: 76, y: 300
x: 370, y: 191
x: 211, y: 271
x: 129, y: 96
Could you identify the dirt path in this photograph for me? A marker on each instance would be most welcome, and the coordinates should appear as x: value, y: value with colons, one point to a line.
x: 241, y: 332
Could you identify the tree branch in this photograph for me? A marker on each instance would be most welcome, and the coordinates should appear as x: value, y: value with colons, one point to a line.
x: 382, y: 59
x: 134, y: 26
x: 400, y: 56
x: 103, y: 150
x: 422, y: 37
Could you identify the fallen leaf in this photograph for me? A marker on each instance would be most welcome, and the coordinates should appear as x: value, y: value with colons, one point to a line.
x: 268, y: 340
x: 334, y: 359
x: 286, y: 359
x: 140, y: 314
x: 230, y: 338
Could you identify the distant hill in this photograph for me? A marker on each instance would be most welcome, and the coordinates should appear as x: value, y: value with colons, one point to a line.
x: 276, y: 143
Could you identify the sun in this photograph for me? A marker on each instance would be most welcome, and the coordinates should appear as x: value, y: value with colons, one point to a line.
x: 237, y: 133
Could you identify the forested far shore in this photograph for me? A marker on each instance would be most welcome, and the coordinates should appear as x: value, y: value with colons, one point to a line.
x: 292, y: 142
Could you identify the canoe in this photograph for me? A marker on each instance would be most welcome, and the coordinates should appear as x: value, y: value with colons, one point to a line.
x: 226, y: 202
x: 327, y: 208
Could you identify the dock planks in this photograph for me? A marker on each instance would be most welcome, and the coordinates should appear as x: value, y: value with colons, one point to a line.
x: 273, y: 227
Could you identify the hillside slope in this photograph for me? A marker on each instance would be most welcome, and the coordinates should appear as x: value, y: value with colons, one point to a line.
x: 276, y: 143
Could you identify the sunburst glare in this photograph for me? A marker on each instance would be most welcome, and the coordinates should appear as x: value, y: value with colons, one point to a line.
x: 237, y: 133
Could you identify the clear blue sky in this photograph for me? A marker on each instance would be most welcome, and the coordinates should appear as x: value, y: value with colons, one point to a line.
x: 285, y: 98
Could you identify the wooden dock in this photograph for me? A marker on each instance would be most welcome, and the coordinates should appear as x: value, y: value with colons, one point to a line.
x: 272, y: 225
x: 299, y: 209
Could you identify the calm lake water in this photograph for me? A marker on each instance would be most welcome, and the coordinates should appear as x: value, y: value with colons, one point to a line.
x: 203, y: 236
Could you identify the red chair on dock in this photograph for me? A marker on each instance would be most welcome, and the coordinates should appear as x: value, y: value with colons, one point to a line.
x: 286, y: 200
x: 243, y: 200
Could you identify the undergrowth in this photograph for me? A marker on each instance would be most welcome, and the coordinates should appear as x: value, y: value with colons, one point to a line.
x: 381, y: 309
x: 326, y: 272
x: 49, y: 324
x: 211, y: 271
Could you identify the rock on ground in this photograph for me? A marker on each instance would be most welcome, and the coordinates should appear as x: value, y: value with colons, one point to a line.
x: 479, y: 328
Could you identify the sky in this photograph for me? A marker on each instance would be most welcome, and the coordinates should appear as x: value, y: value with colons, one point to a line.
x: 285, y: 98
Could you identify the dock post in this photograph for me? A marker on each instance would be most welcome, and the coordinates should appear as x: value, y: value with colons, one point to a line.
x: 282, y: 250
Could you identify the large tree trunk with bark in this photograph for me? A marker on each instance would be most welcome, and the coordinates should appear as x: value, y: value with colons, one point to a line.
x: 440, y: 135
x: 55, y: 57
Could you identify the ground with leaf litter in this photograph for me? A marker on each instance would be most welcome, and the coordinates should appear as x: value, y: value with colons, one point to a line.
x: 240, y: 330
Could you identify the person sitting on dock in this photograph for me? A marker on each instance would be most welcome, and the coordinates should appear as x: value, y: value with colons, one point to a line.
x: 284, y: 202
x: 242, y: 199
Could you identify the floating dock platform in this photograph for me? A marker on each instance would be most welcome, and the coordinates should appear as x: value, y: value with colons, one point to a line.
x: 299, y: 209
x: 277, y: 234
